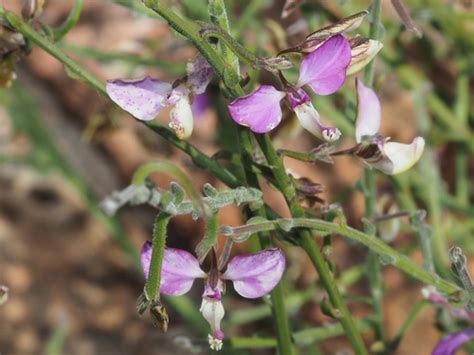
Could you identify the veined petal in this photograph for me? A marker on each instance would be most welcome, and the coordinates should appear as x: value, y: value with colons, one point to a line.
x: 178, y: 271
x: 309, y: 119
x: 181, y: 118
x: 362, y: 52
x: 199, y: 73
x: 142, y: 98
x: 403, y: 156
x: 349, y: 23
x: 260, y: 110
x: 449, y: 344
x: 368, y: 112
x: 255, y: 275
x: 324, y: 70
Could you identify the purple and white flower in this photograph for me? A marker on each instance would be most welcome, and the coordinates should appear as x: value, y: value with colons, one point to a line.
x: 374, y: 149
x: 253, y: 276
x: 454, y: 341
x: 144, y: 98
x: 323, y: 70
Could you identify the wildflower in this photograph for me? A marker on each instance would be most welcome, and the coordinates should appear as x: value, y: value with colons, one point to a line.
x: 452, y: 342
x: 374, y: 149
x: 323, y: 70
x: 253, y: 276
x: 144, y: 98
x: 363, y: 50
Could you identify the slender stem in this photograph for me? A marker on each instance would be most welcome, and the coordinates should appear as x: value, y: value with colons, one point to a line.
x: 70, y: 22
x: 42, y: 42
x: 385, y: 252
x: 309, y: 245
x: 152, y: 286
x: 218, y: 14
x: 217, y: 9
x: 303, y: 337
x: 374, y: 33
x: 229, y: 43
x: 370, y: 191
x: 461, y: 110
x: 191, y: 31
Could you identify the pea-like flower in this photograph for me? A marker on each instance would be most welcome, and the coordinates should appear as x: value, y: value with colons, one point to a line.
x: 323, y: 70
x: 253, y: 276
x: 144, y: 98
x: 454, y: 341
x: 374, y: 149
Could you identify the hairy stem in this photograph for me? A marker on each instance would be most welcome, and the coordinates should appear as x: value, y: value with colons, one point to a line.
x: 386, y: 253
x: 152, y: 286
x: 309, y: 245
x: 370, y: 192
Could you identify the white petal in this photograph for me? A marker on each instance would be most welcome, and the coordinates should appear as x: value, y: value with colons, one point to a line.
x: 368, y: 112
x: 403, y: 156
x: 181, y: 118
x: 309, y: 119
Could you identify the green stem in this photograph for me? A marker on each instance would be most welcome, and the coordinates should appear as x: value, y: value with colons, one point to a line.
x: 370, y: 191
x: 385, y: 252
x: 309, y: 245
x: 42, y: 42
x: 218, y: 15
x: 70, y: 22
x: 152, y: 286
x: 302, y: 338
x: 229, y: 42
x: 374, y: 33
x: 217, y: 9
x: 461, y: 110
x: 190, y: 30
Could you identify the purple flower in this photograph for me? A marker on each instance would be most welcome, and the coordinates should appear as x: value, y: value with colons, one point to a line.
x: 144, y: 98
x: 376, y: 150
x: 260, y: 110
x: 253, y: 276
x: 452, y: 342
x: 323, y: 70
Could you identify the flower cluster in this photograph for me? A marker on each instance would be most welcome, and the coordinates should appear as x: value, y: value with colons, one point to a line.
x: 253, y: 276
x: 329, y: 57
x: 144, y: 98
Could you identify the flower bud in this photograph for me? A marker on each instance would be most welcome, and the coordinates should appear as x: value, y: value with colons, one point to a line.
x: 363, y: 50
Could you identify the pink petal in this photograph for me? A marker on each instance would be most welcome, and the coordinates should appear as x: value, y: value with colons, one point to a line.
x: 449, y: 344
x: 255, y: 275
x: 260, y: 110
x: 142, y: 98
x: 324, y: 69
x: 368, y: 112
x: 178, y: 271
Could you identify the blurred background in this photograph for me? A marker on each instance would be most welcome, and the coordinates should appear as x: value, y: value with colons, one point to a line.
x: 72, y: 272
